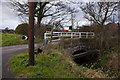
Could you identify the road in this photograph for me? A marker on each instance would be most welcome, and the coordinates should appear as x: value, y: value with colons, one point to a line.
x: 7, y: 53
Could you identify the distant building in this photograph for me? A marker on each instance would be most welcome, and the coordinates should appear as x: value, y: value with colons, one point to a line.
x: 11, y: 31
x: 7, y: 31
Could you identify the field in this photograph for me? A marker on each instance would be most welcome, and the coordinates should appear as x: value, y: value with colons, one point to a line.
x: 13, y: 39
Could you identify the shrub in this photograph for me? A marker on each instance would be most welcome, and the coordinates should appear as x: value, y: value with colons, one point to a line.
x: 39, y: 31
x: 22, y: 29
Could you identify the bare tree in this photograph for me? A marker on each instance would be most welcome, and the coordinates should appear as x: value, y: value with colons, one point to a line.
x: 64, y: 16
x: 43, y: 9
x: 23, y: 9
x: 99, y: 12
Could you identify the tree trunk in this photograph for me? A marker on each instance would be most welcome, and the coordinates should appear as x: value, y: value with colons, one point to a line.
x: 39, y: 21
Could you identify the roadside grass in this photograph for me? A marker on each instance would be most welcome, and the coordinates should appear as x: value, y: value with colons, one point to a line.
x: 52, y: 63
x: 14, y: 39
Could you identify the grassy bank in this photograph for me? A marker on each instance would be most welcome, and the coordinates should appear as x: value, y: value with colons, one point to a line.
x: 108, y: 64
x: 13, y: 39
x: 52, y: 63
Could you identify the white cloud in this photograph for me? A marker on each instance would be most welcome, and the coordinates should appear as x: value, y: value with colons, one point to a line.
x: 83, y: 23
x: 9, y: 18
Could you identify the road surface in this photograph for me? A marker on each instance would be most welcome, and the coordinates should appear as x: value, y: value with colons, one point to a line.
x: 7, y: 53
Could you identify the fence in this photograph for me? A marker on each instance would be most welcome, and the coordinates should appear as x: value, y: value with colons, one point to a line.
x: 57, y: 35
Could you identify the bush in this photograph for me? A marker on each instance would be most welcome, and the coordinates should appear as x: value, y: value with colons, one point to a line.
x: 22, y: 29
x: 39, y: 31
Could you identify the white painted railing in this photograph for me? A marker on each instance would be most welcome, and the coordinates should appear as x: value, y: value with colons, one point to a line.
x: 58, y: 35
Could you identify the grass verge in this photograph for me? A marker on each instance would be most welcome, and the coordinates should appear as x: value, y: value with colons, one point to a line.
x: 14, y: 39
x: 52, y: 63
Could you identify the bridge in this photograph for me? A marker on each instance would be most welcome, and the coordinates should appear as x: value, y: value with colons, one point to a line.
x: 73, y: 42
x: 57, y: 35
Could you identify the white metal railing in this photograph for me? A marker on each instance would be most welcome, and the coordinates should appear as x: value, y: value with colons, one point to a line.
x: 57, y: 35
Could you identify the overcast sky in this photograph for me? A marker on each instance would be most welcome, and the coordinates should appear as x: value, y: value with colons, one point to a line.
x: 8, y: 16
x: 11, y: 20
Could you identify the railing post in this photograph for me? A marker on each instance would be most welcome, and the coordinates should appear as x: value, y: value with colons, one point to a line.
x: 79, y: 35
x: 44, y: 35
x: 61, y: 34
x: 93, y: 34
x: 71, y: 35
x: 87, y: 35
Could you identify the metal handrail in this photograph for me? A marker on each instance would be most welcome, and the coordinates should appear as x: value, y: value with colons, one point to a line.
x: 47, y: 35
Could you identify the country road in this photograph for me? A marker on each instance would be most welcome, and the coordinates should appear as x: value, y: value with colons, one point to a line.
x: 7, y: 53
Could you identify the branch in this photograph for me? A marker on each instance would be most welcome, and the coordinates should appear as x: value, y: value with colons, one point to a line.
x: 51, y: 14
x: 47, y: 9
x: 112, y: 11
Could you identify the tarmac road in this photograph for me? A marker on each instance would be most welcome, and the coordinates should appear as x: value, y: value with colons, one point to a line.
x: 7, y: 53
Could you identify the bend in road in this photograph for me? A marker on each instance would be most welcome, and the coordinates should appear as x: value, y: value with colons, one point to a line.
x: 7, y: 53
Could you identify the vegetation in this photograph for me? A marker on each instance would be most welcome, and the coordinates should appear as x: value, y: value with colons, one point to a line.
x: 99, y: 12
x: 106, y: 65
x: 106, y: 42
x: 22, y: 29
x: 39, y: 31
x: 14, y: 39
x: 52, y: 63
x: 43, y: 10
